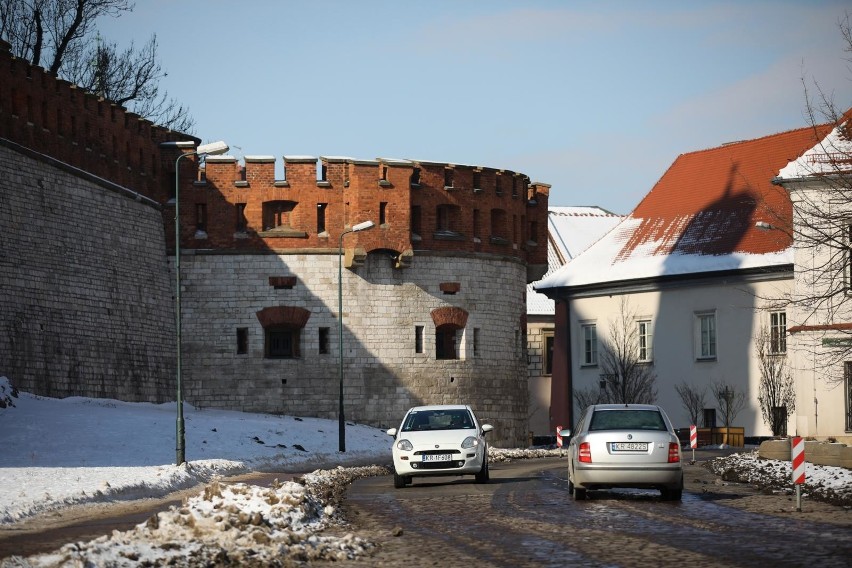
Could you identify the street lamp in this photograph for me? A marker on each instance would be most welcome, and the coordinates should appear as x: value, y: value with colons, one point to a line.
x: 355, y: 228
x: 203, y: 150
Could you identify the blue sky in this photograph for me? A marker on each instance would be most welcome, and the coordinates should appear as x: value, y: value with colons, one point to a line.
x: 595, y: 98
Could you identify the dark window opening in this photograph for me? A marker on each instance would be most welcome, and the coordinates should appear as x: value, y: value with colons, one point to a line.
x: 476, y: 342
x: 709, y: 417
x: 415, y: 177
x: 477, y: 180
x: 383, y: 210
x: 445, y: 341
x: 324, y: 341
x: 282, y: 343
x: 548, y: 353
x: 418, y: 339
x: 200, y: 216
x: 242, y: 340
x: 241, y: 217
x: 321, y: 208
x: 448, y: 177
x: 415, y: 220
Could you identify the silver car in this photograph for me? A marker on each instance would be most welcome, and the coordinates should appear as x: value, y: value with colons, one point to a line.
x: 439, y: 440
x: 624, y: 445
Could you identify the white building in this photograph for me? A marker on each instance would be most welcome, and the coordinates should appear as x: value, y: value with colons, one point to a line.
x: 697, y: 280
x: 821, y: 314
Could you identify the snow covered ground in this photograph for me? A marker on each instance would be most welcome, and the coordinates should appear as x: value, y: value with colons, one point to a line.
x: 58, y: 452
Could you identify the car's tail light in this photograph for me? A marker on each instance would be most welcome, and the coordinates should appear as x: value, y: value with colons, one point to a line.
x: 585, y: 452
x: 674, y: 453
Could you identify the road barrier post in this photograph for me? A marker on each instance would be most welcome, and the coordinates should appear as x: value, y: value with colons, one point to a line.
x: 798, y: 461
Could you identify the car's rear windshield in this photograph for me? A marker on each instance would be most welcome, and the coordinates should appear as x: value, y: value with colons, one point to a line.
x: 437, y: 420
x: 627, y: 420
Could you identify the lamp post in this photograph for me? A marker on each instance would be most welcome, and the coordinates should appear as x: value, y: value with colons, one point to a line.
x: 203, y: 150
x: 341, y: 421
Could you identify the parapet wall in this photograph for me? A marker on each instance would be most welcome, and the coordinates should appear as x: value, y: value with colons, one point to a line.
x: 414, y: 205
x: 54, y: 117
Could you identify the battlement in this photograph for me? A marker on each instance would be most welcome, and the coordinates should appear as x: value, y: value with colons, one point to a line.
x: 415, y: 205
x: 56, y: 118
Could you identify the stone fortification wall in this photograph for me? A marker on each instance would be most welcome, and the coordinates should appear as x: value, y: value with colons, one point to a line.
x: 54, y: 117
x: 382, y: 307
x: 86, y: 307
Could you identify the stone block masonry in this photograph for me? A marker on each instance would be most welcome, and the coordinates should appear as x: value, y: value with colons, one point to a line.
x: 86, y: 307
x: 382, y: 307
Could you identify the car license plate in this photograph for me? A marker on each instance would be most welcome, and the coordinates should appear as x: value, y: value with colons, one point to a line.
x: 437, y: 457
x: 630, y: 446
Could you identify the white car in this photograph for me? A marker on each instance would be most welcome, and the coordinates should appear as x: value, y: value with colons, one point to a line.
x: 439, y: 440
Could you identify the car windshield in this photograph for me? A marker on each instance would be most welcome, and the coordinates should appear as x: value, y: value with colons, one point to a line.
x: 437, y: 420
x: 627, y: 420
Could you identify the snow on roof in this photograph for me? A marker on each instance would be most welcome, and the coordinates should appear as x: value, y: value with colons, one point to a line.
x: 699, y: 217
x: 830, y: 155
x: 570, y: 231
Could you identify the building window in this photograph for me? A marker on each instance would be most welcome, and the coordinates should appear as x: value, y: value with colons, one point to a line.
x: 847, y: 269
x: 705, y: 336
x: 476, y: 342
x: 415, y: 177
x: 590, y: 344
x: 709, y: 417
x: 415, y: 220
x: 201, y: 217
x: 444, y: 221
x: 418, y: 339
x: 241, y: 217
x: 321, y: 208
x: 646, y: 341
x: 777, y: 333
x: 477, y: 224
x: 383, y: 213
x: 448, y: 177
x: 242, y: 340
x: 547, y: 359
x: 847, y: 390
x: 477, y: 179
x: 282, y: 343
x: 445, y: 341
x: 324, y: 345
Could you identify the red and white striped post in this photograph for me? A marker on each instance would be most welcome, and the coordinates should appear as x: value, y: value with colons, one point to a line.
x: 693, y: 439
x: 797, y: 455
x: 559, y: 438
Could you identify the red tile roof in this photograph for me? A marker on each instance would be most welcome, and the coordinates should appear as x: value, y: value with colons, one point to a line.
x: 708, y: 201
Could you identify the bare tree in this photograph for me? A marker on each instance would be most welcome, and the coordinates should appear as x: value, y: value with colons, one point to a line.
x: 693, y: 400
x: 626, y: 378
x: 729, y: 400
x: 61, y: 36
x: 777, y: 389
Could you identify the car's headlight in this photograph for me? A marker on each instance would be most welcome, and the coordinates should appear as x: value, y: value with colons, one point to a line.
x: 470, y: 442
x: 404, y: 445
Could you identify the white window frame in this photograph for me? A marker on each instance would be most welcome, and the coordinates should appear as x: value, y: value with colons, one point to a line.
x: 778, y: 332
x: 706, y: 337
x: 645, y: 335
x: 589, y: 345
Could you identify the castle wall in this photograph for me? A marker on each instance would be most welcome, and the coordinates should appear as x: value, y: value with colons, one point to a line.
x: 384, y: 375
x: 86, y: 307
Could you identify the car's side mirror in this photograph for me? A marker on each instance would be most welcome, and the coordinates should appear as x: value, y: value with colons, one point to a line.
x: 487, y: 428
x: 392, y: 432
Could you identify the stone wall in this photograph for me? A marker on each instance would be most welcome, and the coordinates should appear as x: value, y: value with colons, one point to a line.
x: 86, y: 307
x: 382, y: 307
